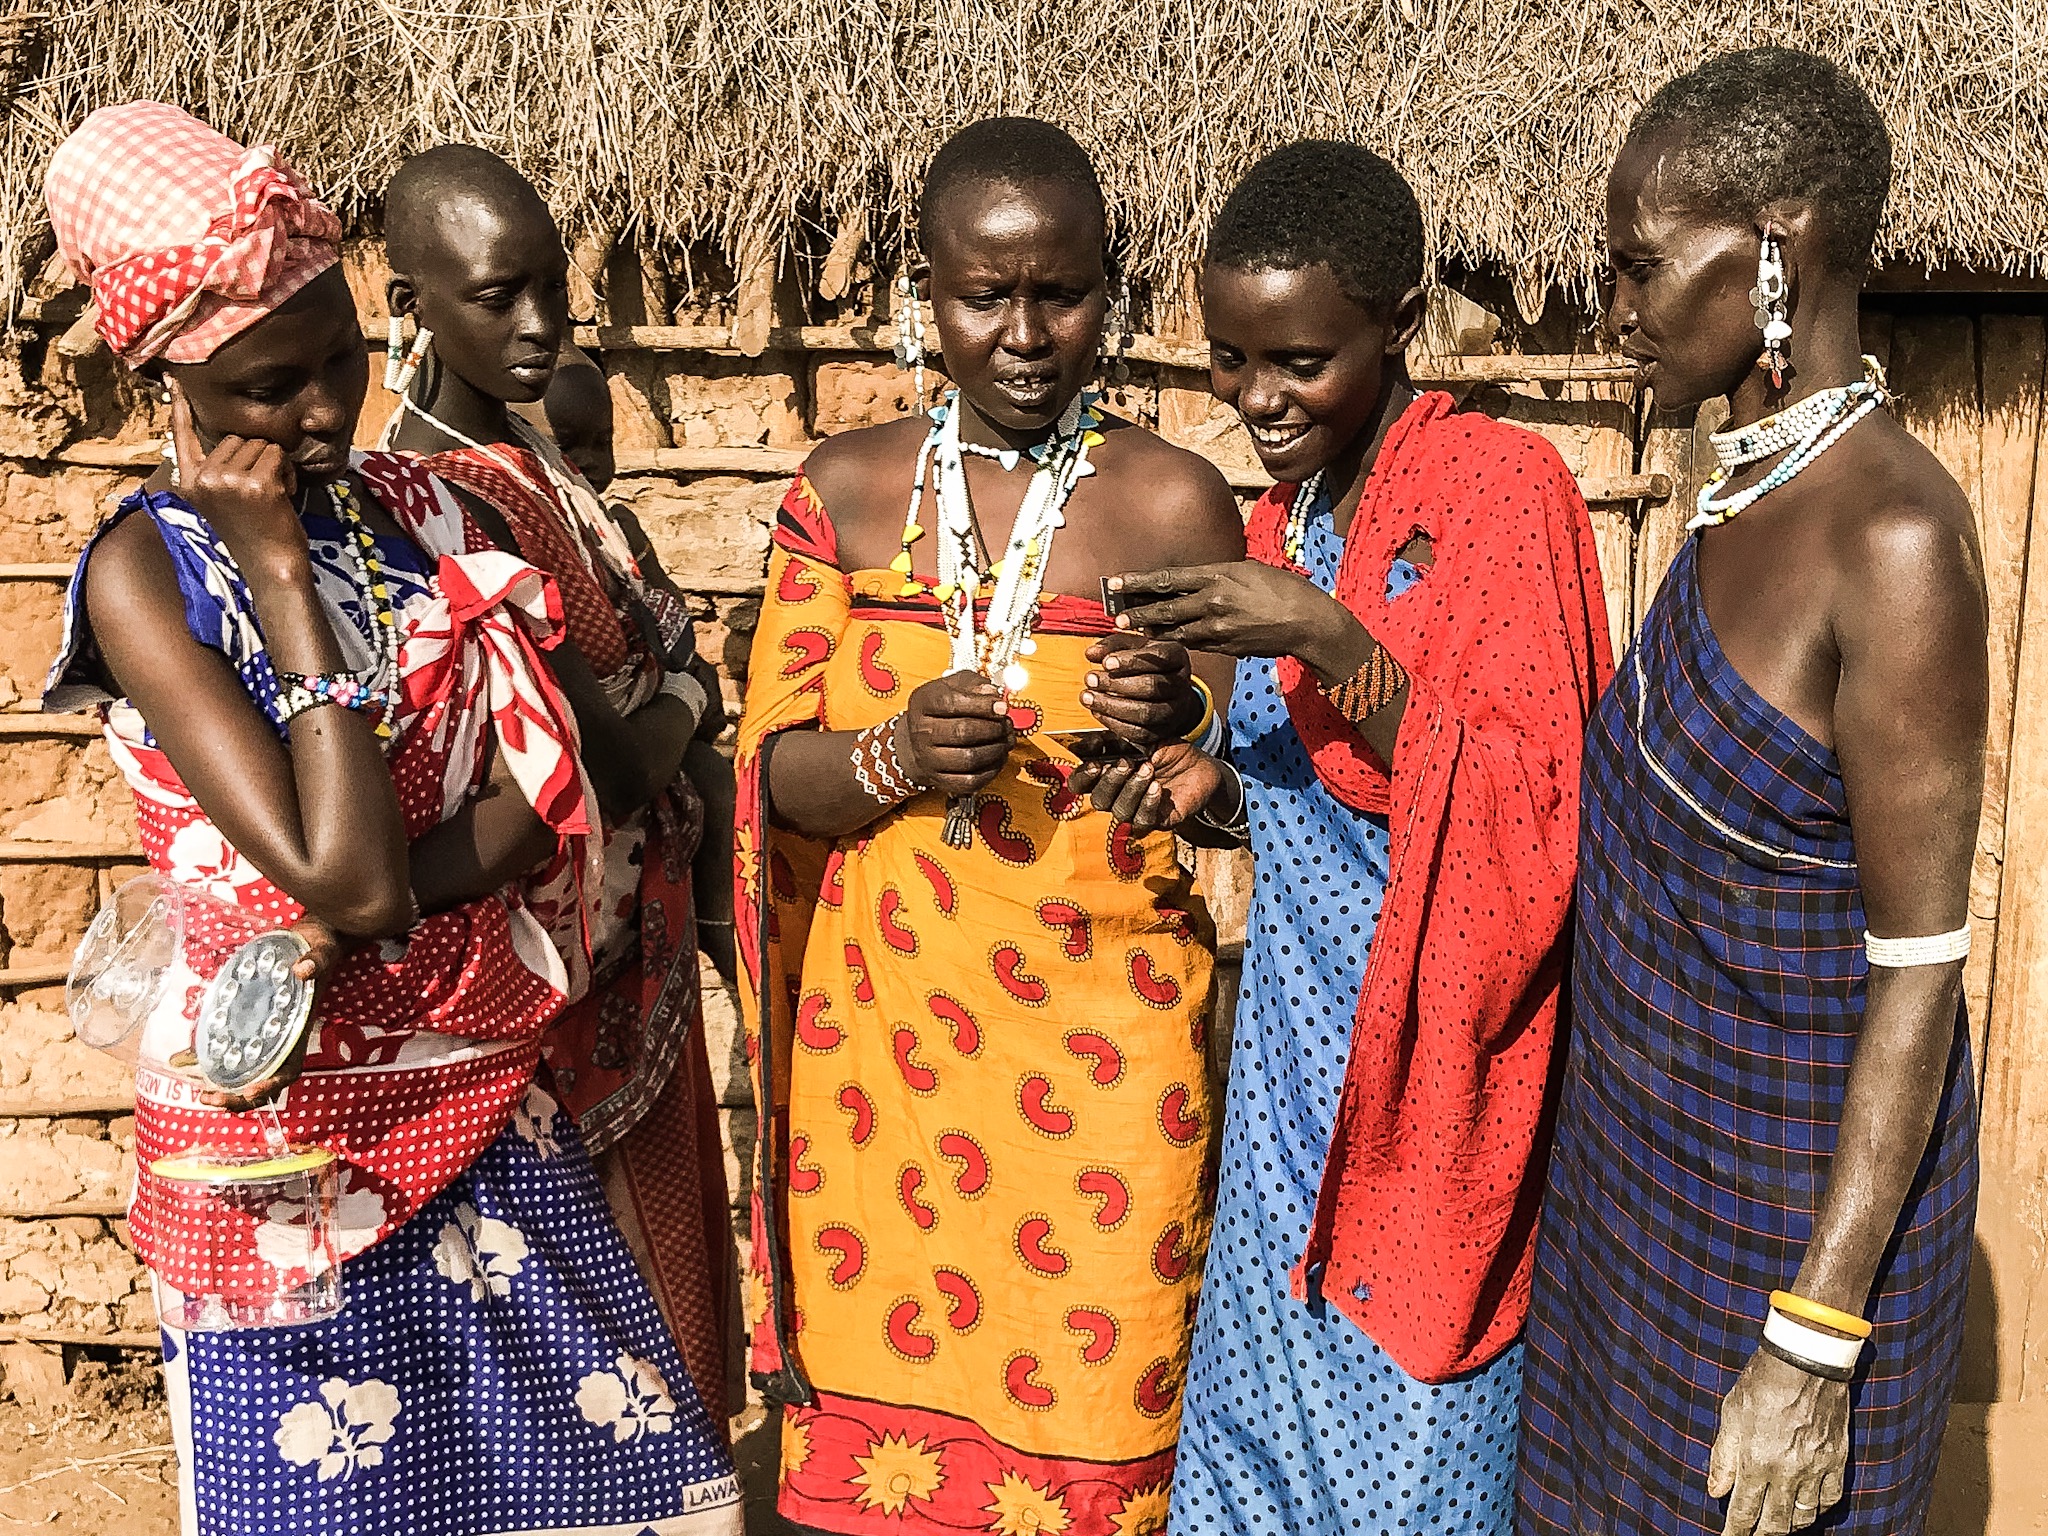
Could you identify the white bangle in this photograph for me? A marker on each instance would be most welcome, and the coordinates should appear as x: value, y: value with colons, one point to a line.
x: 1795, y: 1337
x: 1932, y: 949
x: 1211, y: 742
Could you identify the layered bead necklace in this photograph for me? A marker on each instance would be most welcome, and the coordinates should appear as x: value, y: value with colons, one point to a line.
x: 992, y: 645
x: 374, y: 594
x: 1802, y: 432
x: 1299, y: 511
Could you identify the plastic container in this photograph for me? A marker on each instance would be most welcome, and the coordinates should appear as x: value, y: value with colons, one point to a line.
x: 215, y: 1200
x: 169, y: 976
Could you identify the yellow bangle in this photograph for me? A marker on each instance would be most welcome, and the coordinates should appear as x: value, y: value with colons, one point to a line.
x: 1793, y: 1305
x: 1208, y: 711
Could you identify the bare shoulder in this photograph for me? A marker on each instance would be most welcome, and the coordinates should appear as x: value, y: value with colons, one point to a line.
x: 1901, y: 527
x: 130, y: 572
x: 863, y: 476
x: 1170, y: 498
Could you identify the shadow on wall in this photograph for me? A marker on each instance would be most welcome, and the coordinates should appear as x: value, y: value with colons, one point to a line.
x: 1962, y: 1487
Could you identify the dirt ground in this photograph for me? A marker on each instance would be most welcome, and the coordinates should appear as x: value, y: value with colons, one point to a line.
x: 102, y: 1465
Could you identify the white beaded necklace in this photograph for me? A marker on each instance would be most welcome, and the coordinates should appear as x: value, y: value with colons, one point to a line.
x: 992, y: 646
x: 1299, y: 511
x: 1784, y: 429
x: 1846, y: 406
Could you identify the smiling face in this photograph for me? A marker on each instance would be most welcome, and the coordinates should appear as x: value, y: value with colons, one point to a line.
x: 491, y: 281
x: 1303, y: 366
x: 295, y: 378
x: 1682, y: 278
x: 1019, y: 295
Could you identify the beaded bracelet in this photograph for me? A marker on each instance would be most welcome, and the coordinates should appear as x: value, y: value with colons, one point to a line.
x: 1376, y: 684
x: 877, y: 768
x: 304, y: 691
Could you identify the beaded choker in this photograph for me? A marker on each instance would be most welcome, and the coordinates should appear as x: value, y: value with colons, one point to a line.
x: 1787, y: 428
x: 1803, y: 432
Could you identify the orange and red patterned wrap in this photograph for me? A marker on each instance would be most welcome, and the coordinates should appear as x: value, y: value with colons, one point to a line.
x: 980, y: 1206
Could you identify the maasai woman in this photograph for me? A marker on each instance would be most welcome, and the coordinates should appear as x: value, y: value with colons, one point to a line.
x: 980, y: 1211
x: 334, y: 707
x: 478, y: 262
x: 1766, y: 1144
x: 1426, y: 637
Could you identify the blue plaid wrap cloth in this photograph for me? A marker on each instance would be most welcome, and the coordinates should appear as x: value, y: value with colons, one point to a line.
x: 1716, y: 998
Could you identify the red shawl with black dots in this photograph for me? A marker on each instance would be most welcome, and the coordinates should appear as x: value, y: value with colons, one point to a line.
x: 1423, y: 1232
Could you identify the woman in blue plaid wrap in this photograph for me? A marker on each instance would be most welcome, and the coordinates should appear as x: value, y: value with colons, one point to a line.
x: 1759, y: 1098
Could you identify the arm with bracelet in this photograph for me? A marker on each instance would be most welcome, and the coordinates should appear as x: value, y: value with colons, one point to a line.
x: 1912, y: 777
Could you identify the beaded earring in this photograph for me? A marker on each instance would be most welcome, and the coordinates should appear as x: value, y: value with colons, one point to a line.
x: 1769, y: 298
x: 1117, y: 339
x: 910, y: 333
x: 401, y: 365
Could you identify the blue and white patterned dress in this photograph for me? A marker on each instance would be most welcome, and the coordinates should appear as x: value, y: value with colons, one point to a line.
x: 499, y: 1367
x: 1296, y: 1423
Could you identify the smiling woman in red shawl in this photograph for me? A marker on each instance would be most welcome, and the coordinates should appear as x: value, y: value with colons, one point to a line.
x: 327, y: 694
x: 1424, y: 638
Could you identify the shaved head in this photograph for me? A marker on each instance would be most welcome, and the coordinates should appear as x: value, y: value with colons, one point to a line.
x: 434, y: 190
x: 477, y: 259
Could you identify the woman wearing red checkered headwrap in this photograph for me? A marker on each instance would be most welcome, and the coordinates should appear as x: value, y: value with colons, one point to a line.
x: 326, y: 691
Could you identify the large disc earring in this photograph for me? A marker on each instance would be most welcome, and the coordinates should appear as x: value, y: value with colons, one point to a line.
x: 1769, y: 298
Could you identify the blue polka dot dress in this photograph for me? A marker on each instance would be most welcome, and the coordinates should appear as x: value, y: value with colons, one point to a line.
x: 1295, y: 1421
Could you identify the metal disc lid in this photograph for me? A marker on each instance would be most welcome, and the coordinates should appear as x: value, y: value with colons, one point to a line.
x: 253, y: 1012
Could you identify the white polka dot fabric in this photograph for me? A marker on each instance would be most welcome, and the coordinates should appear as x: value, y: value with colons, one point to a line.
x: 1296, y: 1423
x: 498, y: 1367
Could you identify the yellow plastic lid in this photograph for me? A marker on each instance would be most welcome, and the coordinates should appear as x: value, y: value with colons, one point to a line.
x: 195, y: 1167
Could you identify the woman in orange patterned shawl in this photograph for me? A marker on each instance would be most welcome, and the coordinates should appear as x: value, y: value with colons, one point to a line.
x: 980, y: 1201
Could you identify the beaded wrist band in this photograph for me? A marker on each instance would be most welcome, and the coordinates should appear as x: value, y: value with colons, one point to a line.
x: 877, y: 768
x: 1375, y: 685
x: 303, y: 692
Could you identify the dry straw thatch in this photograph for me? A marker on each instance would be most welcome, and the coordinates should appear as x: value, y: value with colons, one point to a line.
x: 748, y: 122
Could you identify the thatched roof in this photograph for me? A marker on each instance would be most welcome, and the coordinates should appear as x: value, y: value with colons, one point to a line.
x: 742, y: 122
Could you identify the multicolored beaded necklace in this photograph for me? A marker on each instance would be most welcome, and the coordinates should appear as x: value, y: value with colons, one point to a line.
x: 376, y: 602
x: 992, y: 646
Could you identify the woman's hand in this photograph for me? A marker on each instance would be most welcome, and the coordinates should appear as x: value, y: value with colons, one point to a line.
x: 1162, y: 790
x: 1245, y: 608
x: 324, y: 947
x: 957, y: 733
x: 1142, y: 690
x: 245, y: 489
x: 1781, y: 1450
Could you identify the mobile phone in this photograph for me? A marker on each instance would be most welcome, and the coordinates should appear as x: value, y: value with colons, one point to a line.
x: 1113, y: 601
x: 1094, y: 746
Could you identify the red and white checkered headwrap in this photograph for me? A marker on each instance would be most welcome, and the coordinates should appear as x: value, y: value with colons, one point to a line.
x: 186, y: 238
